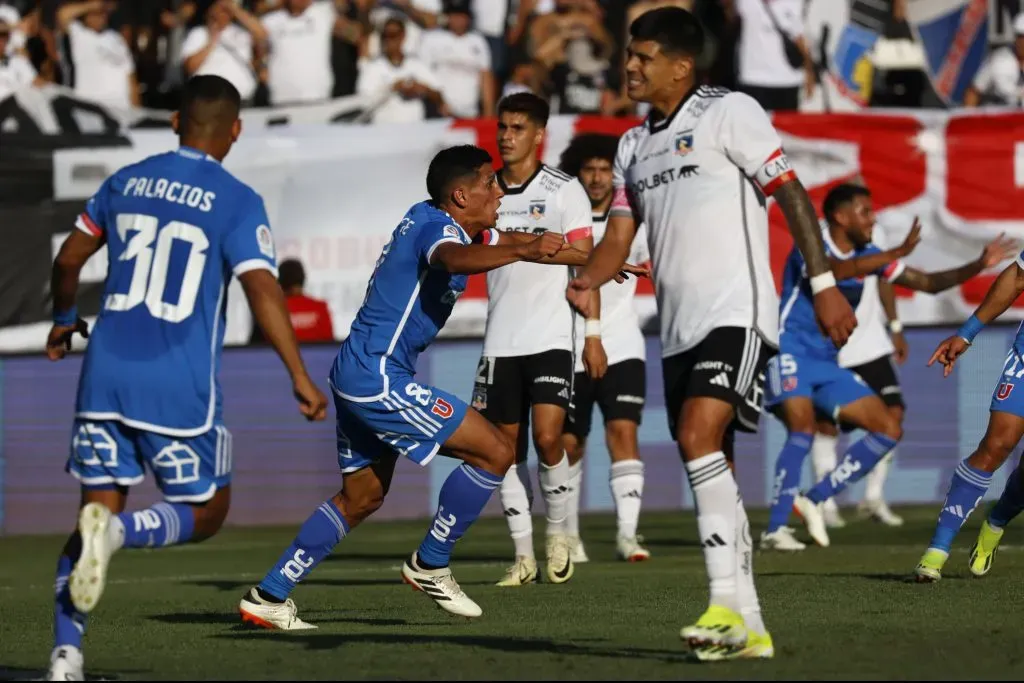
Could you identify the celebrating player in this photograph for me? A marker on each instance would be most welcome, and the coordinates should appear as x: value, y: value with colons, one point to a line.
x: 383, y: 412
x: 1005, y: 428
x: 178, y: 227
x: 615, y: 352
x: 697, y: 172
x: 806, y: 375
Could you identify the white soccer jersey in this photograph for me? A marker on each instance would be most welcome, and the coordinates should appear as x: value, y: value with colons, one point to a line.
x: 527, y: 311
x: 870, y: 339
x: 698, y: 179
x: 621, y: 335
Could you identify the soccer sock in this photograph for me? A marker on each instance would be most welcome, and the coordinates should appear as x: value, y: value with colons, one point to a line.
x: 788, y: 467
x: 516, y: 501
x: 823, y: 455
x: 554, y: 485
x: 1010, y: 503
x: 859, y: 459
x: 572, y: 519
x: 874, y: 482
x: 715, y: 493
x: 316, y: 539
x: 68, y: 623
x: 746, y: 591
x: 966, y: 490
x: 161, y: 525
x: 626, y: 479
x: 463, y: 496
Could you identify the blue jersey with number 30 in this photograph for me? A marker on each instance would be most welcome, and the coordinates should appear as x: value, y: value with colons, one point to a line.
x: 177, y: 226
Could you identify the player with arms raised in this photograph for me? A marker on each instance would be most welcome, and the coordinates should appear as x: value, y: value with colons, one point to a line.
x: 697, y: 173
x: 178, y: 227
x: 383, y: 412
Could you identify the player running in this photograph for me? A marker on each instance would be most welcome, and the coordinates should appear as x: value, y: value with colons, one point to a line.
x: 178, y: 227
x: 1005, y: 428
x: 614, y: 350
x: 383, y: 412
x: 697, y: 173
x: 806, y: 374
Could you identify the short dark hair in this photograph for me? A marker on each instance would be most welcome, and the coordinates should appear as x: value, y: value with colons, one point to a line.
x: 290, y: 273
x: 674, y: 30
x: 841, y: 195
x: 535, y: 108
x: 209, y: 104
x: 452, y: 165
x: 585, y: 147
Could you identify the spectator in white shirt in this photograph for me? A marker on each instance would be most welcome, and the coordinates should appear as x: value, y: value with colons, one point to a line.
x: 16, y: 43
x: 409, y: 80
x: 299, y: 61
x: 104, y: 69
x: 1000, y: 80
x: 461, y: 60
x: 765, y: 71
x: 422, y: 15
x: 223, y: 48
x: 15, y: 71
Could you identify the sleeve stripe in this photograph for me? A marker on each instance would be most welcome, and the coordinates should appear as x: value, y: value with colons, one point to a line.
x: 579, y: 233
x: 254, y: 264
x: 435, y: 245
x: 771, y: 187
x: 490, y: 237
x: 88, y: 226
x: 894, y: 270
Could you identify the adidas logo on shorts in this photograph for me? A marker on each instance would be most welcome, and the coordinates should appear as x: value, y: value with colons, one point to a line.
x: 721, y: 380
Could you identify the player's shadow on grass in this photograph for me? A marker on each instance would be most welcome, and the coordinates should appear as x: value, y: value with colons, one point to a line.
x: 233, y: 585
x: 402, y: 557
x: 890, y: 577
x: 14, y: 673
x: 228, y: 618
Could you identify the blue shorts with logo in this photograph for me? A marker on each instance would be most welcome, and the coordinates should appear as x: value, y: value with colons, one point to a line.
x: 413, y: 420
x: 187, y: 469
x: 829, y: 386
x: 1008, y: 397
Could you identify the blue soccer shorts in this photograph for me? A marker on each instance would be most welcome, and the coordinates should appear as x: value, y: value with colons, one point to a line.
x: 1008, y: 397
x: 412, y: 420
x: 829, y: 386
x: 187, y: 469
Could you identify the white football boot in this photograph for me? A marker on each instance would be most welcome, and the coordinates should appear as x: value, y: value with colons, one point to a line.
x: 66, y: 664
x: 522, y: 572
x: 629, y: 549
x: 441, y: 587
x: 780, y: 539
x: 579, y: 553
x: 271, y: 615
x: 811, y: 514
x: 89, y: 576
x: 558, y: 567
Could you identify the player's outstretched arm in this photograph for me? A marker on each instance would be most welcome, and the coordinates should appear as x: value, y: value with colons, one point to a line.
x: 1004, y: 291
x: 862, y: 266
x: 266, y: 300
x: 469, y: 259
x: 994, y: 253
x: 73, y: 254
x: 571, y: 255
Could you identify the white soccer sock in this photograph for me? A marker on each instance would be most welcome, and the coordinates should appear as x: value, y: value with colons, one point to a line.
x: 626, y: 479
x: 115, y: 532
x: 875, y: 479
x: 746, y: 591
x: 572, y: 520
x: 554, y: 485
x: 516, y: 502
x: 715, y: 493
x: 823, y: 455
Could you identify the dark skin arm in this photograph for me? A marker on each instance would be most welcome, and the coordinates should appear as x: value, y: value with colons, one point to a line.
x: 469, y: 259
x: 887, y: 296
x: 73, y: 254
x: 995, y: 252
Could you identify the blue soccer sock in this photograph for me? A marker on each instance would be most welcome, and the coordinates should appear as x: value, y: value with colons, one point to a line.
x: 68, y: 623
x: 316, y: 539
x: 161, y: 525
x: 1010, y: 503
x: 787, y: 477
x: 860, y: 458
x: 463, y: 496
x: 966, y: 490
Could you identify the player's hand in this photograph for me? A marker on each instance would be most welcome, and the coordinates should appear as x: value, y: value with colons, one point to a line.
x: 58, y: 343
x: 629, y: 269
x: 901, y: 348
x: 912, y: 240
x: 312, y: 402
x: 835, y: 315
x: 948, y: 352
x: 595, y: 360
x: 581, y: 296
x: 545, y: 245
x: 997, y: 251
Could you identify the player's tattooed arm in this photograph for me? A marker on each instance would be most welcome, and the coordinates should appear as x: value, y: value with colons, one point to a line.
x: 995, y: 252
x: 803, y: 225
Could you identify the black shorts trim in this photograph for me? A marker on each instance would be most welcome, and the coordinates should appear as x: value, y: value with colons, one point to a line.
x: 620, y: 394
x: 506, y: 387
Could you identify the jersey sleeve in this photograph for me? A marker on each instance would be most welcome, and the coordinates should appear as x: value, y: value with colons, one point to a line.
x: 622, y: 202
x: 95, y: 219
x: 577, y: 218
x: 751, y: 142
x: 434, y: 234
x: 249, y: 245
x: 890, y: 271
x: 983, y: 79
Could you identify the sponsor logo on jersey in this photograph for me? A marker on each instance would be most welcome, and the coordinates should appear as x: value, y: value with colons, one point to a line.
x: 1003, y: 392
x: 665, y: 177
x: 684, y: 142
x: 537, y: 210
x: 688, y: 171
x: 712, y: 365
x: 550, y: 379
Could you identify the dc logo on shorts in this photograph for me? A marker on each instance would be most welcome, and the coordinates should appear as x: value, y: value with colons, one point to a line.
x: 1003, y: 392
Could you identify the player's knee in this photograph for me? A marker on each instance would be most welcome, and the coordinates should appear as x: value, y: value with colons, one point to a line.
x: 503, y: 455
x: 574, y: 448
x: 695, y: 442
x: 995, y: 448
x: 357, y: 505
x: 209, y: 517
x: 890, y: 426
x: 548, y: 443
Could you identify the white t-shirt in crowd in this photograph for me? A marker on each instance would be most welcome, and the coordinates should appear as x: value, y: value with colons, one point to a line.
x: 10, y: 16
x: 299, y: 64
x: 231, y: 59
x: 457, y: 62
x: 103, y: 65
x: 379, y: 75
x: 1001, y: 75
x: 413, y: 32
x: 489, y: 17
x: 16, y: 72
x: 762, y: 57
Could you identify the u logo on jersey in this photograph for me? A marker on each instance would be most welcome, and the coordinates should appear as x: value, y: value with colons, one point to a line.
x: 442, y: 409
x: 1003, y: 392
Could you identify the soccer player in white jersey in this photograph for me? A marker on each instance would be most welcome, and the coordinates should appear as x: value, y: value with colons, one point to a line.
x: 616, y: 350
x: 697, y: 173
x: 525, y: 372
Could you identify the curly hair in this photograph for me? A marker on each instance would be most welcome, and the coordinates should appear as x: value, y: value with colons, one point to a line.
x: 586, y: 146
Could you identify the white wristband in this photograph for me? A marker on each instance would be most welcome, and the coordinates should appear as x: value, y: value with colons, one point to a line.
x: 592, y: 328
x: 895, y: 327
x: 820, y: 283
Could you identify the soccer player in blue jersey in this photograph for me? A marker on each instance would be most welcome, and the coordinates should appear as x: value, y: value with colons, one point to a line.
x: 384, y: 413
x: 177, y: 227
x: 806, y: 373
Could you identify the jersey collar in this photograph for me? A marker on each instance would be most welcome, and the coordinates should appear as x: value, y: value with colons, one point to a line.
x: 519, y: 189
x: 601, y: 217
x: 827, y: 236
x: 192, y: 153
x: 661, y: 124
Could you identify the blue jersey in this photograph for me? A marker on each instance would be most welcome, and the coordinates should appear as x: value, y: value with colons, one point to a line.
x: 407, y: 303
x: 177, y: 227
x: 799, y: 333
